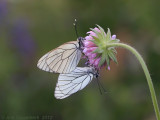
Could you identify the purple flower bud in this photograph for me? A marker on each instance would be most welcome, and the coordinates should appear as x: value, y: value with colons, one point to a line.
x: 91, y: 33
x: 94, y: 55
x: 97, y: 29
x: 97, y: 62
x: 113, y: 37
x: 89, y: 38
x: 109, y: 68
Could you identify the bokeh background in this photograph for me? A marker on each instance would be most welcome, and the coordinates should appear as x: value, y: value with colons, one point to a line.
x: 30, y: 28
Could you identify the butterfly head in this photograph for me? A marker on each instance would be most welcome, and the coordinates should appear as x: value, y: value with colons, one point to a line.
x: 97, y: 75
x: 80, y: 41
x: 94, y: 71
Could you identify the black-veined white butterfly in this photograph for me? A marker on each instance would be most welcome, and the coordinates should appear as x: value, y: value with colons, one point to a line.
x: 74, y: 81
x: 63, y: 59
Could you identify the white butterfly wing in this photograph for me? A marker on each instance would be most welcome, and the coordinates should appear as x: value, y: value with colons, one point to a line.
x: 63, y: 59
x: 42, y: 63
x: 72, y: 82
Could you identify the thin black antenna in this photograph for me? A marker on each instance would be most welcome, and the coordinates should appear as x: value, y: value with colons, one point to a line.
x: 75, y: 27
x: 100, y: 86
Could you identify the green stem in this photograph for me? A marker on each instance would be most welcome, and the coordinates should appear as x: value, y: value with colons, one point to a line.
x: 145, y: 69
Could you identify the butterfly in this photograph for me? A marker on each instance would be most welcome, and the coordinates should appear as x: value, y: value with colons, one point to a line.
x: 74, y: 81
x: 63, y: 59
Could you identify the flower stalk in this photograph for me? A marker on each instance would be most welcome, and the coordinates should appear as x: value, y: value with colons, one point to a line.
x: 99, y: 49
x: 146, y: 72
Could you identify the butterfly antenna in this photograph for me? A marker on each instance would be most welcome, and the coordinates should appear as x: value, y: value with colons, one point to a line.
x: 99, y: 86
x: 75, y: 27
x: 104, y: 90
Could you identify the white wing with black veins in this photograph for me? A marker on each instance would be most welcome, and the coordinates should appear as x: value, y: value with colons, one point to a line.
x: 63, y: 59
x: 72, y: 82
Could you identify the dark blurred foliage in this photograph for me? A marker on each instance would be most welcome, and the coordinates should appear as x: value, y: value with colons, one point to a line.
x: 30, y: 28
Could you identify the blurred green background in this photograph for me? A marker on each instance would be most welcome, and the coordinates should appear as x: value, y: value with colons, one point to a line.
x: 30, y: 28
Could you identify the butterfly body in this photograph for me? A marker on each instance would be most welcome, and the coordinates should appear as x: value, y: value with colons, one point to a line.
x: 80, y: 41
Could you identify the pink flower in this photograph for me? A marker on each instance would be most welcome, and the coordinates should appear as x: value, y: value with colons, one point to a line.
x: 95, y: 50
x: 90, y: 47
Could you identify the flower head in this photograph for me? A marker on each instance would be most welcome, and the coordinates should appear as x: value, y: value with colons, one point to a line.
x: 95, y: 49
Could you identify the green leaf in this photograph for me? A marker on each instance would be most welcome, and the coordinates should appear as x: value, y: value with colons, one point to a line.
x: 108, y: 36
x: 98, y: 55
x: 115, y: 41
x: 114, y: 51
x: 112, y: 56
x: 102, y: 31
x: 102, y: 61
x: 96, y: 38
x: 98, y: 50
x: 107, y: 60
x: 99, y: 35
x: 110, y: 48
x: 95, y: 42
